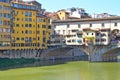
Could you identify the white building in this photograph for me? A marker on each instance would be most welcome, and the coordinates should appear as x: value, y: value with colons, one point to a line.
x: 77, y: 12
x: 102, y: 15
x: 85, y: 31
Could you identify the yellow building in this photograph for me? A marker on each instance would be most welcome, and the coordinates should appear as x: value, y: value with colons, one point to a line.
x: 89, y: 36
x: 24, y: 28
x: 30, y: 29
x: 4, y: 24
x: 44, y: 31
x: 21, y: 27
x: 62, y: 15
x: 49, y: 30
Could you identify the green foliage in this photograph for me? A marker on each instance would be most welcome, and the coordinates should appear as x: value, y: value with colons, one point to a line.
x: 5, y: 62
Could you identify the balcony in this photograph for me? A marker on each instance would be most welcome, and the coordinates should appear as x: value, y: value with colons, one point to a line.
x: 5, y: 47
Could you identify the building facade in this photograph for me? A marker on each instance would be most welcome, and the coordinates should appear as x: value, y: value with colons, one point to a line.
x: 63, y: 15
x: 103, y: 15
x: 23, y: 26
x: 77, y: 12
x: 85, y: 31
x: 5, y: 35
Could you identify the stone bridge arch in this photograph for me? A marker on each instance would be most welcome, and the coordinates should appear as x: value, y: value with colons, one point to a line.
x: 108, y: 53
x: 112, y: 55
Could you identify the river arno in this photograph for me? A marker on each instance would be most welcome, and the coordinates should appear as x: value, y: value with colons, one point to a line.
x: 76, y: 70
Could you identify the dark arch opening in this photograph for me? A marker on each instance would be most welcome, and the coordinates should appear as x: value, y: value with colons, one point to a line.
x: 112, y: 55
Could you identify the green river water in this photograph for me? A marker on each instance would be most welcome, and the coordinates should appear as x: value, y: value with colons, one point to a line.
x: 76, y: 70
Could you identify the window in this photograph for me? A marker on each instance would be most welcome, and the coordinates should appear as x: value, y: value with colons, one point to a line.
x: 0, y: 22
x: 103, y: 25
x: 26, y: 14
x: 102, y: 35
x: 79, y: 35
x: 49, y: 27
x: 0, y: 7
x: 26, y: 19
x: 22, y: 44
x: 22, y: 32
x: 97, y: 34
x: 0, y: 29
x: 87, y: 33
x: 68, y: 41
x: 68, y: 25
x: 30, y: 19
x: 16, y: 5
x: 48, y: 20
x: 30, y: 39
x: 26, y: 39
x: 54, y: 26
x: 7, y: 1
x: 0, y: 14
x: 43, y: 45
x: 26, y: 32
x: 79, y: 25
x: 30, y: 25
x: 79, y: 41
x: 16, y: 13
x: 63, y: 31
x: 25, y: 7
x: 97, y: 40
x: 17, y: 25
x: 33, y: 7
x: 30, y: 13
x: 43, y: 32
x: 73, y: 40
x: 43, y: 20
x: 6, y: 30
x: 103, y: 40
x: 18, y: 19
x: 115, y: 24
x: 43, y: 26
x: 6, y: 8
x: 44, y: 40
x: 6, y: 16
x: 17, y: 38
x: 103, y: 30
x: 90, y: 25
x: 92, y: 33
x: 38, y: 26
x: 20, y: 6
x: 28, y: 7
x: 38, y: 38
x: 26, y: 25
x: 39, y: 20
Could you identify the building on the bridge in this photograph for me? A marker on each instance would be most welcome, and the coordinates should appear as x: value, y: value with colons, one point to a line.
x: 82, y: 31
x: 5, y: 24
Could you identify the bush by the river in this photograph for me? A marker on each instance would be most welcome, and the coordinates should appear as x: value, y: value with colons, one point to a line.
x: 5, y: 62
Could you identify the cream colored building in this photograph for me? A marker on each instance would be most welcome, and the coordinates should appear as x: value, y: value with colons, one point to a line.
x: 74, y: 30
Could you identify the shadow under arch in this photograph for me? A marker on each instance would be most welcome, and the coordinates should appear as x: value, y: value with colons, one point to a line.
x: 111, y: 55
